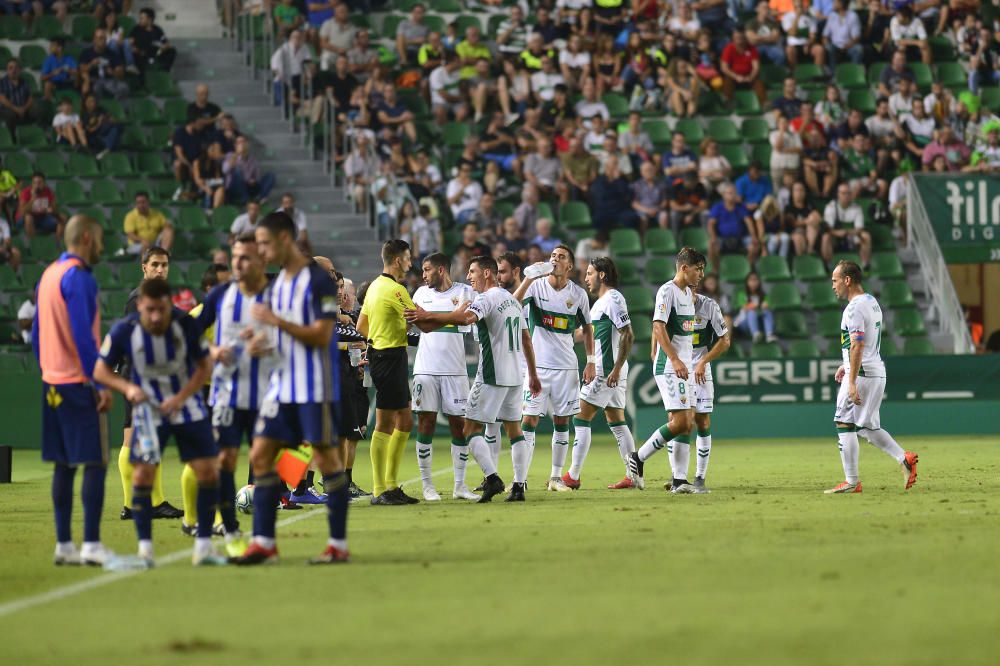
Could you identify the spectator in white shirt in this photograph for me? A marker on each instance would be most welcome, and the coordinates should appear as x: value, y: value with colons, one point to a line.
x: 245, y: 223
x: 8, y: 253
x: 67, y: 125
x: 907, y: 33
x: 845, y: 227
x: 544, y: 83
x: 297, y: 215
x: 842, y: 35
x: 590, y: 106
x: 574, y: 63
x: 463, y: 195
x: 446, y: 90
x: 25, y: 318
x: 901, y: 101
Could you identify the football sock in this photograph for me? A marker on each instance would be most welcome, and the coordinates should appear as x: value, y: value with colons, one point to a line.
x: 62, y: 500
x: 337, y: 500
x: 397, y: 446
x: 655, y: 442
x: 142, y: 512
x: 560, y: 446
x: 528, y: 432
x: 125, y: 472
x: 266, y: 492
x: 581, y: 446
x: 227, y: 498
x: 306, y: 483
x: 884, y: 441
x: 379, y: 453
x: 849, y: 453
x: 349, y: 472
x: 424, y: 459
x: 519, y: 455
x: 704, y: 446
x: 460, y: 459
x: 478, y: 447
x: 189, y: 495
x: 207, y: 500
x: 492, y: 435
x: 626, y: 445
x: 157, y: 497
x: 92, y: 494
x: 680, y: 455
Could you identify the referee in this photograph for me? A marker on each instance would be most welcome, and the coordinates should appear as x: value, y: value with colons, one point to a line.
x: 74, y: 426
x: 383, y: 324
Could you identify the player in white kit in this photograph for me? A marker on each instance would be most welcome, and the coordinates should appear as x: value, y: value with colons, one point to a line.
x: 613, y: 340
x: 710, y: 341
x: 440, y: 378
x: 556, y: 308
x: 496, y: 392
x: 673, y: 329
x: 862, y: 381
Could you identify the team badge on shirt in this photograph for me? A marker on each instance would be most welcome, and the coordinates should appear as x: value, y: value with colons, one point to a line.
x: 454, y: 301
x: 569, y: 303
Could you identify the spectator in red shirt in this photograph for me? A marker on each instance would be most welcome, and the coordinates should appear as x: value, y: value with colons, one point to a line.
x: 741, y: 67
x: 806, y: 122
x: 37, y: 209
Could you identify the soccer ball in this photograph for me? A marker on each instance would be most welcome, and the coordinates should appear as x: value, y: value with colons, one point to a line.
x: 244, y: 499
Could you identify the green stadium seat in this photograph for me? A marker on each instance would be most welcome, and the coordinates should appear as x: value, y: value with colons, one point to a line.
x: 13, y: 28
x: 84, y: 26
x: 845, y: 256
x: 887, y: 266
x: 133, y: 187
x: 44, y: 248
x: 467, y: 21
x: 70, y: 193
x: 850, y: 76
x: 145, y: 112
x: 887, y: 346
x: 810, y: 75
x: 733, y: 268
x: 773, y: 268
x: 454, y: 135
x: 178, y: 277
x: 766, y: 351
x: 642, y: 329
x: 909, y: 323
x: 724, y: 130
x: 434, y: 23
x: 115, y: 109
x: 175, y: 111
x: 151, y: 164
x: 11, y: 364
x: 105, y: 276
x: 31, y: 274
x: 116, y: 165
x: 990, y: 97
x: 52, y: 165
x: 658, y: 131
x: 737, y: 157
x: 625, y: 243
x: 30, y: 137
x: 896, y: 294
x: 809, y: 268
x: 661, y: 242
x: 695, y: 237
x: 773, y: 75
x: 105, y: 193
x: 691, y: 129
x: 82, y: 165
x: 875, y: 72
x: 659, y: 270
x: 640, y: 301
x: 862, y: 100
x: 8, y: 279
x: 628, y: 272
x: 48, y: 27
x: 617, y: 104
x: 160, y: 84
x: 545, y: 211
x: 942, y: 49
x: 952, y: 75
x: 922, y: 75
x: 790, y: 325
x: 755, y: 130
x: 130, y: 273
x: 223, y: 216
x: 803, y: 349
x: 745, y: 103
x: 19, y: 165
x: 574, y: 215
x: 918, y: 347
x: 96, y: 213
x: 882, y: 240
x: 819, y: 296
x: 828, y: 322
x: 133, y: 138
x: 31, y: 56
x: 192, y: 218
x: 6, y: 140
x: 784, y: 296
x: 389, y: 25
x: 116, y: 300
x: 761, y: 152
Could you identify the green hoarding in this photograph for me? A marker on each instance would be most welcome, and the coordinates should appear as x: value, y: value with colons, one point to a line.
x: 965, y: 213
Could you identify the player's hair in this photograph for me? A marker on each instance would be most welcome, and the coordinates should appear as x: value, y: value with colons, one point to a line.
x: 154, y: 251
x: 849, y: 269
x: 392, y: 249
x: 77, y: 226
x: 338, y: 276
x: 572, y: 257
x: 688, y: 256
x: 245, y: 238
x: 437, y: 260
x: 361, y: 292
x: 486, y: 263
x: 210, y: 277
x: 156, y: 288
x: 511, y: 258
x: 278, y: 222
x: 607, y: 266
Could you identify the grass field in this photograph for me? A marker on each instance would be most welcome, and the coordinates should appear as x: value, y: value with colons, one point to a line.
x: 766, y: 569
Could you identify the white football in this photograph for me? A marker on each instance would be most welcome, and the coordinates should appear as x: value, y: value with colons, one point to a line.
x: 244, y: 499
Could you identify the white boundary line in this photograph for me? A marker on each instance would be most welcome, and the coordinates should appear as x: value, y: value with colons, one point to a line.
x: 73, y: 589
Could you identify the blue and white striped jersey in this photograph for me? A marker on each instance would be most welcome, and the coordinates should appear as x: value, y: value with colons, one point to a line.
x: 304, y: 374
x: 242, y: 384
x: 161, y: 364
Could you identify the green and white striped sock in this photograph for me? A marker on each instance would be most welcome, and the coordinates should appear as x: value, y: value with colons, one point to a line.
x: 459, y: 459
x: 424, y: 456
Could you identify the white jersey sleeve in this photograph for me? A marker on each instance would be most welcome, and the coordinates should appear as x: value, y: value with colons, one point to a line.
x: 862, y: 321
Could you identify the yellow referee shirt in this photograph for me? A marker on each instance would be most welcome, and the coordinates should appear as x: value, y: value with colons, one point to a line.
x: 385, y: 301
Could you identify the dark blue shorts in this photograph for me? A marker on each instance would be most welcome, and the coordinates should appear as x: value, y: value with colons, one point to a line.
x: 292, y: 424
x: 73, y: 433
x: 233, y: 426
x: 194, y: 440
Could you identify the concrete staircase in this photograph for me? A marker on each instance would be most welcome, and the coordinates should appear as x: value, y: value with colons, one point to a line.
x: 335, y: 229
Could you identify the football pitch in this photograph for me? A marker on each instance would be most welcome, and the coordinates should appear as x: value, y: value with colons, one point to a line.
x: 765, y: 570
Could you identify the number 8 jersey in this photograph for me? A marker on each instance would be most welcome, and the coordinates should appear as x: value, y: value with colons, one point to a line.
x: 499, y: 332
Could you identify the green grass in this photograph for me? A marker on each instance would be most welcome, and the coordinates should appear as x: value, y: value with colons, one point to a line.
x: 766, y: 569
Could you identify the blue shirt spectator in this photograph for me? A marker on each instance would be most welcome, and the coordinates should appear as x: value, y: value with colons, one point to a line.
x: 679, y: 159
x: 58, y: 68
x: 753, y: 186
x: 729, y: 222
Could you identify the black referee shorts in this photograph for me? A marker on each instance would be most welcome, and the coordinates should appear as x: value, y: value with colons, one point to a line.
x: 391, y: 377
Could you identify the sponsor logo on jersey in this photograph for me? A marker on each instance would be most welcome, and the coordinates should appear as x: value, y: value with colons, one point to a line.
x: 688, y: 325
x: 561, y: 323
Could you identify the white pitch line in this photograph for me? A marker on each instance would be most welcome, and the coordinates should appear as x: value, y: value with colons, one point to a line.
x: 73, y: 589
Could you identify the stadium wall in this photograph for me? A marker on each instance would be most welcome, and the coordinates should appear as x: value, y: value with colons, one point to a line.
x: 957, y: 395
